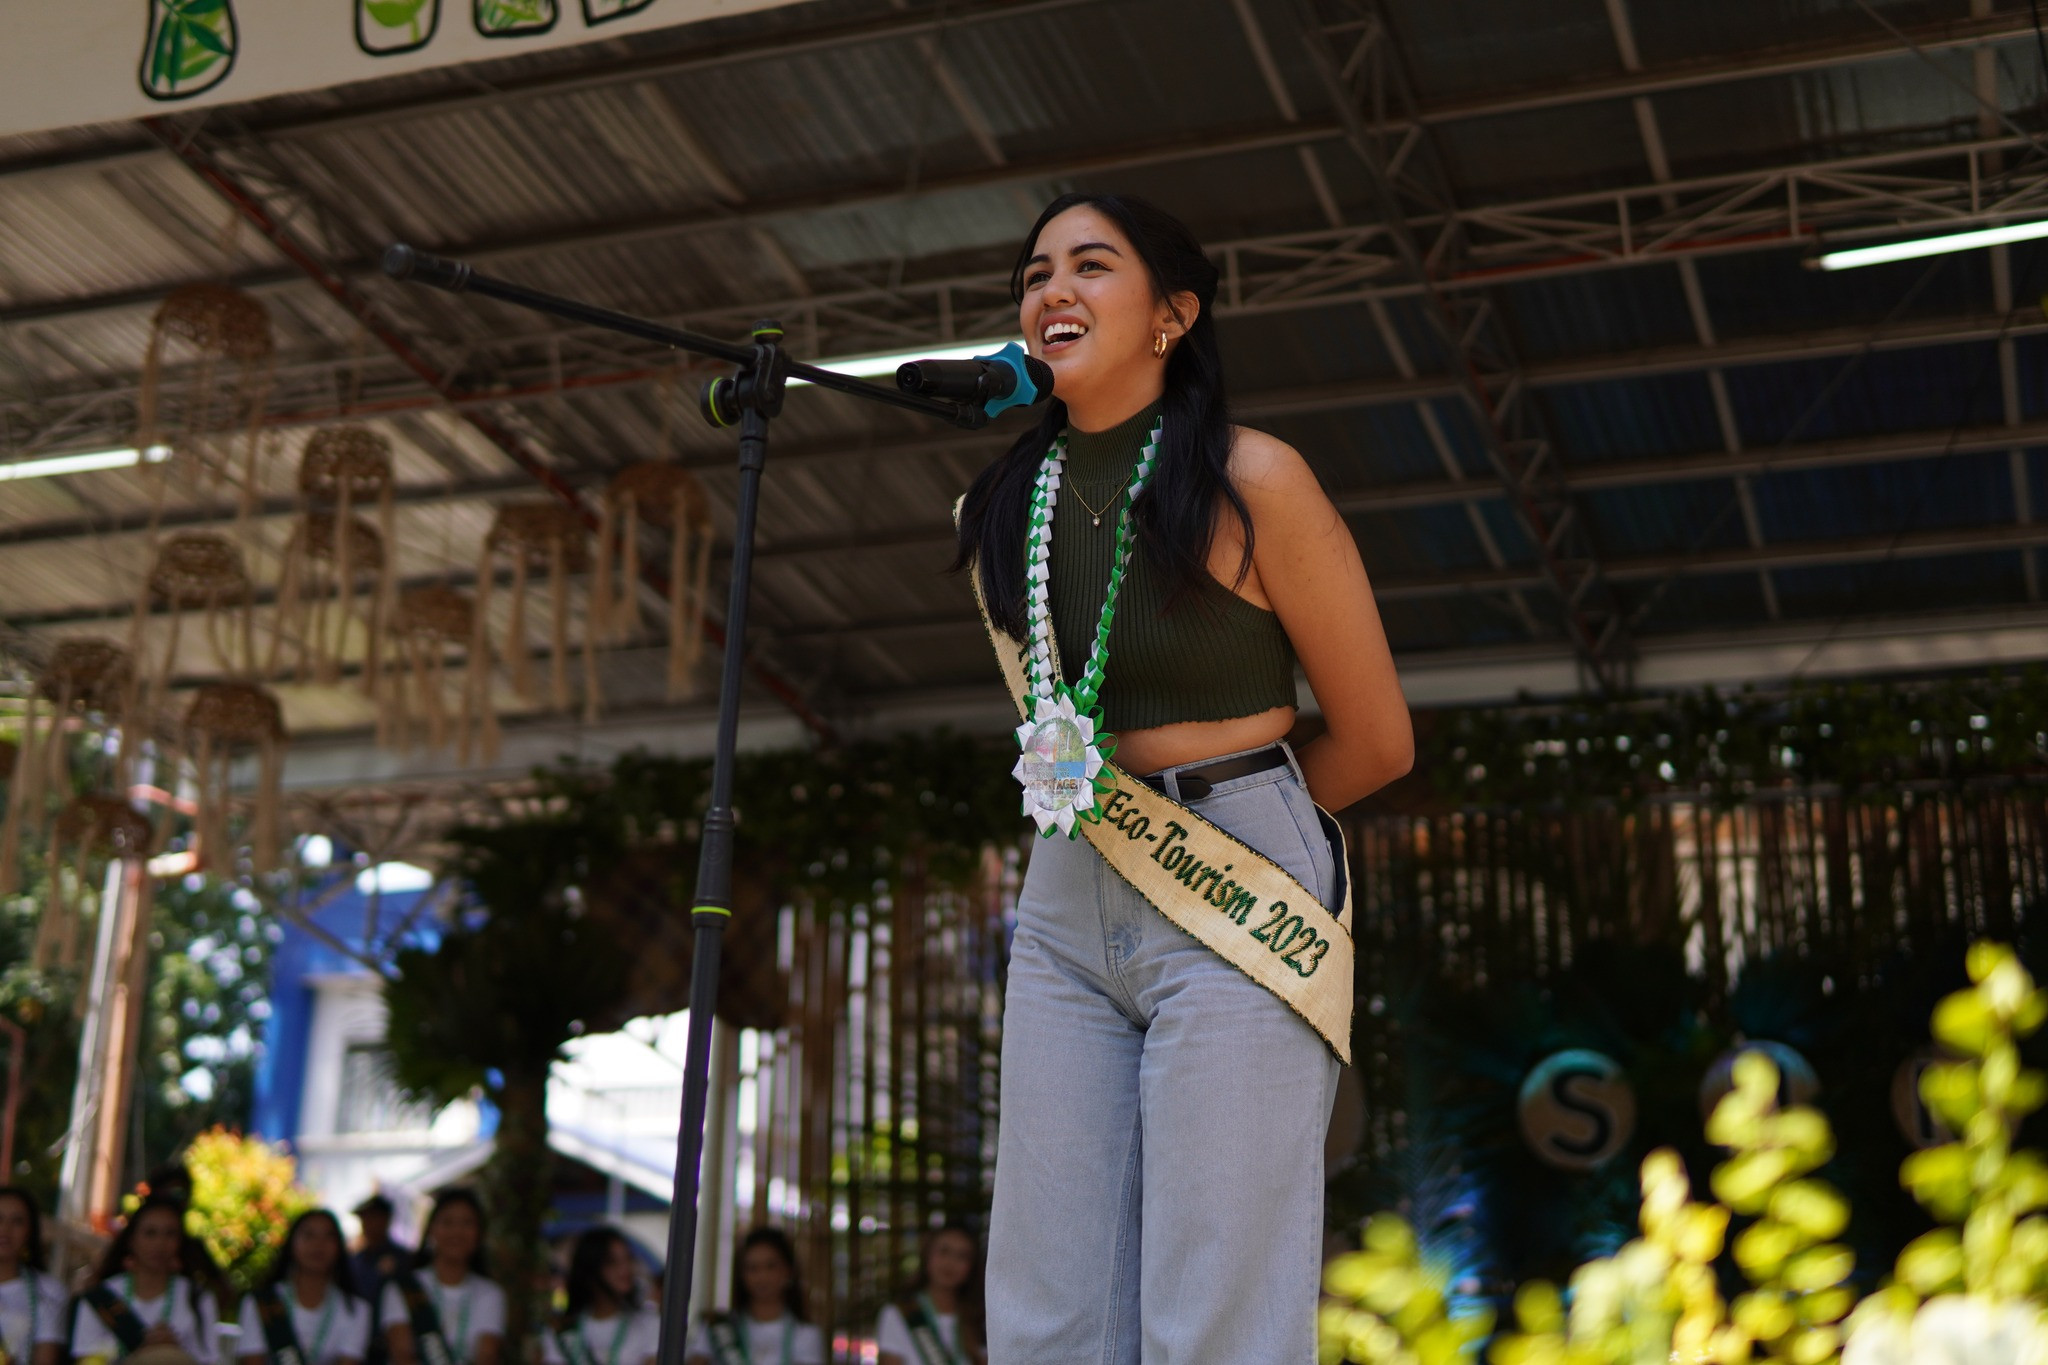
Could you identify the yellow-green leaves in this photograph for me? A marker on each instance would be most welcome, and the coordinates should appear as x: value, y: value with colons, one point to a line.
x: 1389, y: 1306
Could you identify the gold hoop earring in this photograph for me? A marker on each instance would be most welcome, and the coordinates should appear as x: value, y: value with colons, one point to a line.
x: 1159, y: 346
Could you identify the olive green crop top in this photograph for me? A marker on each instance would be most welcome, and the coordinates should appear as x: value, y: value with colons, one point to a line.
x: 1214, y: 656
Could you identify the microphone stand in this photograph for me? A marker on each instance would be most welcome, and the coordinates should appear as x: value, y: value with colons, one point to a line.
x: 749, y: 399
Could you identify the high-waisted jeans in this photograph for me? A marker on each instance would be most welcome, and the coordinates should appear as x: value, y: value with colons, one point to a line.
x: 1159, y: 1168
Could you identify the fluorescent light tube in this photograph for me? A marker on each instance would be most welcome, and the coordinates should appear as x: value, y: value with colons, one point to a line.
x: 1932, y: 246
x: 82, y: 463
x: 888, y: 362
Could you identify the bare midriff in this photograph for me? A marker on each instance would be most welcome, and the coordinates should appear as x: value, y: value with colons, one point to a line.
x: 1192, y: 741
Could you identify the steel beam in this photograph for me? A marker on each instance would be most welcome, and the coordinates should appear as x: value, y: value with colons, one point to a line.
x: 1354, y: 54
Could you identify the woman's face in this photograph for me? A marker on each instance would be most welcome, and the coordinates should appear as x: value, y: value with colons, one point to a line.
x: 14, y: 1229
x: 766, y: 1275
x: 316, y: 1247
x: 154, y: 1248
x: 1089, y: 309
x: 617, y: 1275
x: 950, y: 1261
x: 454, y: 1233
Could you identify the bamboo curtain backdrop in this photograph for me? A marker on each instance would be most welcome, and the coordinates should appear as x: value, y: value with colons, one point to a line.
x: 1485, y: 897
x: 871, y: 1117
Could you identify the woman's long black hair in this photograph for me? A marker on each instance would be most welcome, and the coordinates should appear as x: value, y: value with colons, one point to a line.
x: 115, y: 1259
x: 467, y: 1198
x: 342, y: 1275
x: 1175, y: 518
x: 32, y: 1254
x: 586, y: 1272
x: 792, y: 1293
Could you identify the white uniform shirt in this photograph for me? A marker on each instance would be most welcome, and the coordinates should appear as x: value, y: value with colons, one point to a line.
x: 764, y: 1342
x: 476, y: 1298
x: 19, y: 1313
x: 892, y: 1335
x: 622, y: 1339
x: 348, y: 1331
x: 189, y: 1313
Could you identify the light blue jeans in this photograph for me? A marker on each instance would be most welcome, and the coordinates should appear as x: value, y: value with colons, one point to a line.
x: 1159, y: 1168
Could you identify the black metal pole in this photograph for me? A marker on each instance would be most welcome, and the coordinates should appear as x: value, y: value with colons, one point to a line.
x: 713, y: 905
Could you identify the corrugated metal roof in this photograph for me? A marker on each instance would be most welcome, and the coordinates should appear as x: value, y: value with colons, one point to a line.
x: 795, y: 181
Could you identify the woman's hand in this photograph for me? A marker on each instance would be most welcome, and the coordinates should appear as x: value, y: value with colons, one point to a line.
x: 488, y: 1347
x: 1305, y: 565
x: 163, y: 1334
x: 404, y: 1351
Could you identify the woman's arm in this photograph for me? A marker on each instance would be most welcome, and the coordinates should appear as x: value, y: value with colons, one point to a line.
x: 47, y: 1353
x: 1306, y: 566
x: 398, y: 1336
x: 488, y: 1345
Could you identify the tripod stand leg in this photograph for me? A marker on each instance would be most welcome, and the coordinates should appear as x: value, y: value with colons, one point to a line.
x: 713, y: 907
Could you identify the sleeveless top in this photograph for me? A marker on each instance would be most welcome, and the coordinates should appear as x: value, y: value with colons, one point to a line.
x: 1212, y: 656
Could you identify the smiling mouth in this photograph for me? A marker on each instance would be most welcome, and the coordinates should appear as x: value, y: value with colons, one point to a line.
x: 1057, y: 336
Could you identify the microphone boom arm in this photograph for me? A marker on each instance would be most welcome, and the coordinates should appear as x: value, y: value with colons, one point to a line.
x: 405, y: 263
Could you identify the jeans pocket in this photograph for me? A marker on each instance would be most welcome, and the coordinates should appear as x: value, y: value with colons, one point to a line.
x: 1265, y: 817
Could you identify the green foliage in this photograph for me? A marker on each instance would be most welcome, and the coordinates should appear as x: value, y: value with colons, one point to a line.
x: 513, y: 16
x: 192, y: 38
x: 1977, y: 1284
x: 1866, y: 737
x: 207, y: 1007
x: 245, y: 1194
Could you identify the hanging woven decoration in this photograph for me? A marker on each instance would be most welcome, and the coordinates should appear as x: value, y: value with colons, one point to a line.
x: 199, y: 571
x: 425, y: 624
x: 343, y: 469
x: 317, y: 599
x: 537, y: 537
x: 82, y: 676
x: 227, y: 719
x: 227, y: 328
x: 88, y: 828
x: 669, y: 498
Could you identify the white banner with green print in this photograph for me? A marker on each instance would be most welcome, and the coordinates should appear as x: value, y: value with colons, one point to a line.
x: 70, y: 62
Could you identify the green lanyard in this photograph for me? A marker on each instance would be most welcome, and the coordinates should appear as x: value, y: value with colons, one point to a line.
x: 746, y: 1339
x: 460, y: 1344
x: 931, y: 1315
x: 327, y: 1309
x: 170, y: 1297
x: 618, y: 1337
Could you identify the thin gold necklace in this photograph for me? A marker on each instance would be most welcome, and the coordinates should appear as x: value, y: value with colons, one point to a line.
x: 1095, y: 513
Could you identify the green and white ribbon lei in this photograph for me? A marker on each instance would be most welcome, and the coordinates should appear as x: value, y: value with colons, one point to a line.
x: 1063, y: 755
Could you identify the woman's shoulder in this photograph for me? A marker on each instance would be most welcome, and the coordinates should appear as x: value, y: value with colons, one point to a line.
x: 1261, y: 462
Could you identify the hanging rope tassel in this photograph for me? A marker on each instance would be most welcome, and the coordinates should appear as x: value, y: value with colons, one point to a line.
x: 345, y: 588
x: 386, y: 600
x: 263, y: 825
x: 21, y: 795
x: 558, y: 634
x: 599, y: 626
x: 626, y: 615
x: 518, y: 658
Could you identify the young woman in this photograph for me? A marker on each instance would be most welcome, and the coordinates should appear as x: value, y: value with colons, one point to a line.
x: 938, y: 1320
x: 772, y: 1328
x: 309, y: 1307
x: 605, y: 1323
x: 32, y: 1328
x: 137, y: 1298
x: 1156, y: 1013
x: 448, y: 1313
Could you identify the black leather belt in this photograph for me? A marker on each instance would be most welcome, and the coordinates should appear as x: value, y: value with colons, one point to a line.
x: 1197, y: 780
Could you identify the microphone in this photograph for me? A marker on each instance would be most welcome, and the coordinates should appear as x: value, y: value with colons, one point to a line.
x: 995, y: 383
